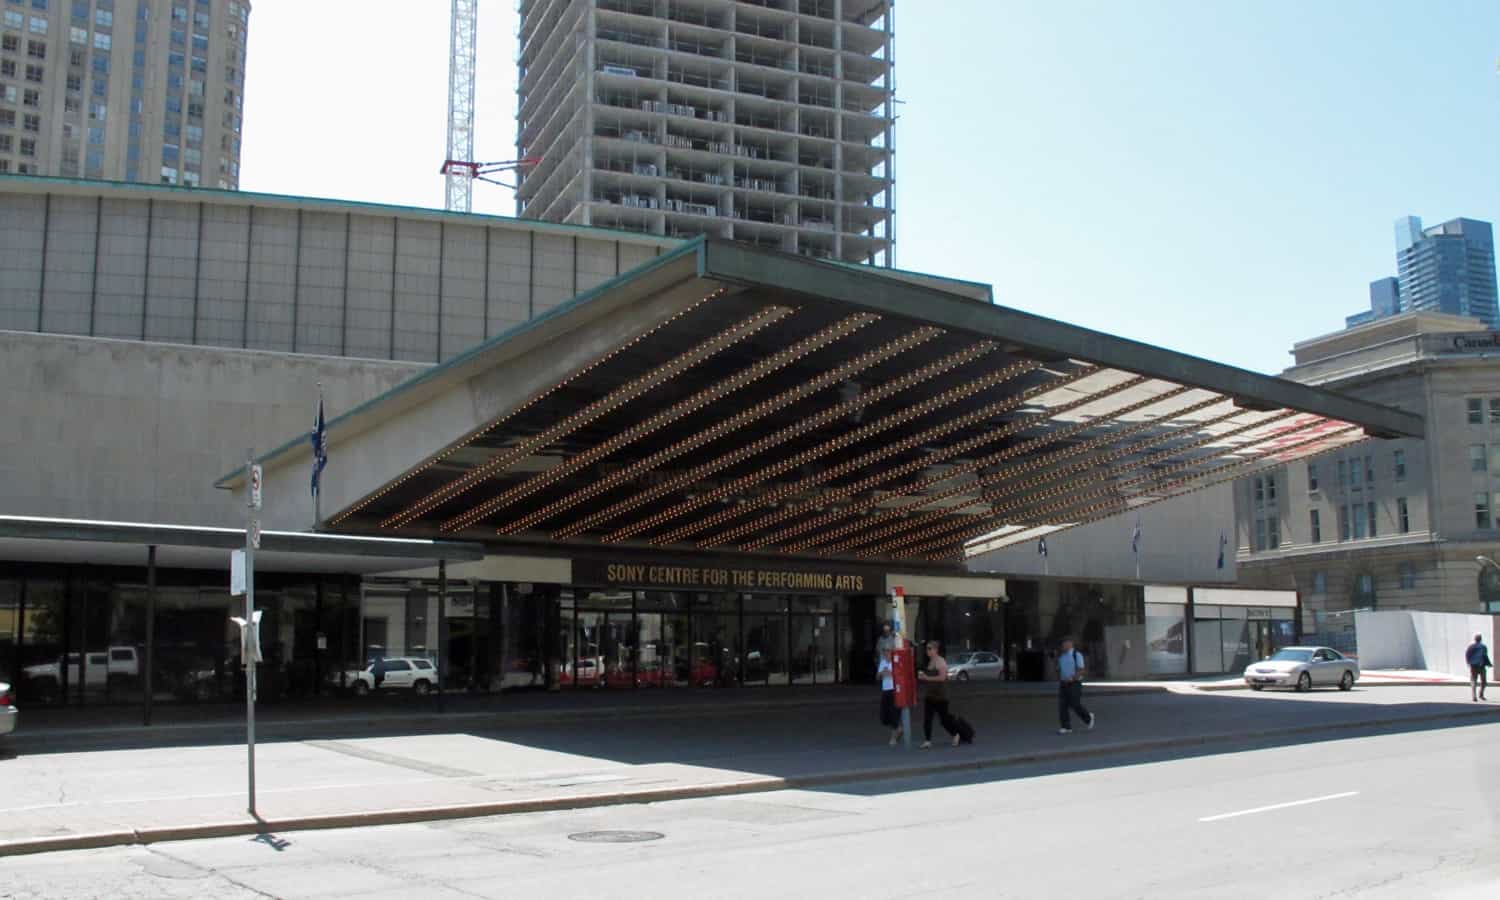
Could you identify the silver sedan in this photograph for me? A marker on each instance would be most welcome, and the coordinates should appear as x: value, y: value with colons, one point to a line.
x: 1303, y: 668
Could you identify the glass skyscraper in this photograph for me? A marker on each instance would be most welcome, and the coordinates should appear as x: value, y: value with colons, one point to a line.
x: 1447, y: 268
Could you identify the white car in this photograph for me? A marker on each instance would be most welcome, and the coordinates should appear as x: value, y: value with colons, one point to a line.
x: 413, y: 672
x: 8, y: 713
x: 977, y: 665
x: 1303, y: 668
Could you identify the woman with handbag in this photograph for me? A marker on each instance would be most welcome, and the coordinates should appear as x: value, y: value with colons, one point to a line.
x: 935, y: 697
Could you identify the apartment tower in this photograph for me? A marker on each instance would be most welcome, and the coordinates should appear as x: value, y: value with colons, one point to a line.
x: 123, y: 90
x: 1447, y: 268
x: 768, y: 121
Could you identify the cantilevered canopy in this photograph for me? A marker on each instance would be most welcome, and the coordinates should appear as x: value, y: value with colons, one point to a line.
x: 731, y: 399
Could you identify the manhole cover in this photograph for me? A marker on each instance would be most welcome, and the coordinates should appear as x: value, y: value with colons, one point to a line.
x: 616, y: 837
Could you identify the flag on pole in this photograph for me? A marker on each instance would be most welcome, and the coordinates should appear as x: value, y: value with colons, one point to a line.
x: 319, y: 438
x: 1223, y: 541
x: 1135, y: 545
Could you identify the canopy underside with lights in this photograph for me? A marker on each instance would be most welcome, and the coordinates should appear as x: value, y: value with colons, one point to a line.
x: 730, y: 400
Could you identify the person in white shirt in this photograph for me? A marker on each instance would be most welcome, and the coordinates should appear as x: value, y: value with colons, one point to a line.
x: 889, y: 716
x: 1070, y: 669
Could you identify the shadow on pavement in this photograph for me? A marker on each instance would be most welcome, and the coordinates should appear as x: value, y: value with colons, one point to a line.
x: 818, y: 736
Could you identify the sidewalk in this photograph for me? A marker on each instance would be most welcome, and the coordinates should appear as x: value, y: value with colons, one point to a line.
x: 479, y: 763
x: 117, y: 727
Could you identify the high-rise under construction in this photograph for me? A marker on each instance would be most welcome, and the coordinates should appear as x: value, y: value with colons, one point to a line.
x: 768, y: 122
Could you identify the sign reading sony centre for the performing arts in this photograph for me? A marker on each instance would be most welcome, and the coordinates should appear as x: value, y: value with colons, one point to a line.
x: 651, y: 575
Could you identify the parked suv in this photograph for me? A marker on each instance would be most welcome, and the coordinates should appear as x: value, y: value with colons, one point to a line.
x: 95, y: 670
x: 414, y: 672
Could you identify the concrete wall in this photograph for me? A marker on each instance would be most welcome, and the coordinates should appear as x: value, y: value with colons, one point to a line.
x: 1407, y: 639
x: 1179, y: 543
x: 125, y: 430
x: 285, y: 274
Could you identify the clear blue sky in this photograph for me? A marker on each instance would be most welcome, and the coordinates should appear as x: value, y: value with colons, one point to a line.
x: 1219, y: 178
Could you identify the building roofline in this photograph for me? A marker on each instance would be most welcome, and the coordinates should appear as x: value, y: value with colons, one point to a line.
x: 1387, y: 321
x: 42, y: 184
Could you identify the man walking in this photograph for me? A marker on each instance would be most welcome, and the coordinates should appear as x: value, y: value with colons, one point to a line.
x: 1070, y: 669
x: 1478, y: 658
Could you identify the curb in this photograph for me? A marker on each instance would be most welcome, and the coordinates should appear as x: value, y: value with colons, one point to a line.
x: 1241, y: 686
x: 760, y: 784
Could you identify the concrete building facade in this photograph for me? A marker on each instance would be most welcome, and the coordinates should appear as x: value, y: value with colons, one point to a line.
x: 124, y: 90
x: 768, y: 122
x: 1386, y: 524
x: 284, y: 274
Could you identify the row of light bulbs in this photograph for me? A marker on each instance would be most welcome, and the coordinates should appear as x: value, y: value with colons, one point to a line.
x: 497, y: 422
x: 698, y: 401
x: 948, y: 452
x: 741, y: 484
x: 502, y: 460
x: 724, y: 339
x: 1100, y: 474
x: 1226, y: 472
x: 1110, y: 493
x: 787, y: 491
x: 1104, y: 511
x: 740, y: 454
x: 1013, y: 472
x: 1260, y: 423
x: 758, y: 411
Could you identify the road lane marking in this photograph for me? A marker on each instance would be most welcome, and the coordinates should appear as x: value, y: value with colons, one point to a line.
x: 1261, y: 809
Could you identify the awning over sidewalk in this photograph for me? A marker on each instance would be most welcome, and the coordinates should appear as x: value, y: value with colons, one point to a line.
x: 729, y: 399
x: 184, y: 546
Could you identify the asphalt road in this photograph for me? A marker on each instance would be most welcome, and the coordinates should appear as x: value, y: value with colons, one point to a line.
x: 1408, y: 813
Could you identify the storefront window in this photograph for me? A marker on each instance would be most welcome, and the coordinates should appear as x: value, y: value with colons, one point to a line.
x: 1166, y: 638
x: 1105, y: 621
x: 716, y: 646
x: 765, y: 639
x: 10, y: 630
x: 197, y: 652
x: 1208, y: 646
x: 1234, y: 632
x: 43, y: 625
x: 524, y: 613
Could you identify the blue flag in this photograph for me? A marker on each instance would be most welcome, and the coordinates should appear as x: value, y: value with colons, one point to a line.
x: 1222, y: 542
x: 1135, y: 537
x: 1041, y: 546
x: 319, y: 438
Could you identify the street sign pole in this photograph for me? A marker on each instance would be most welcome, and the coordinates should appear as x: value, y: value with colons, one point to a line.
x: 248, y: 631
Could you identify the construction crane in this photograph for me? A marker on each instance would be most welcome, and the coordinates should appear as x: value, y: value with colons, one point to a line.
x: 459, y: 170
